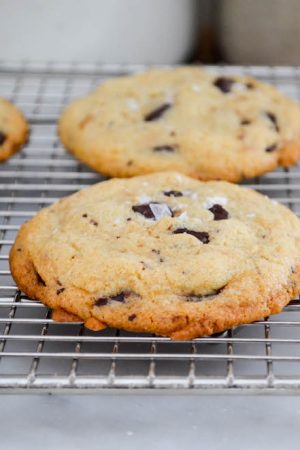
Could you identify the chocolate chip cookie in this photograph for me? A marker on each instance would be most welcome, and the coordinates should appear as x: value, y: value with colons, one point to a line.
x: 161, y: 253
x: 184, y: 119
x: 13, y: 129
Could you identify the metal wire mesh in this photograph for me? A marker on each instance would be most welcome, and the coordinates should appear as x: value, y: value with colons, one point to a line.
x: 37, y: 354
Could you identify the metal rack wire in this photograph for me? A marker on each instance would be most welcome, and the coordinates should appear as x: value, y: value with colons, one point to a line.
x: 39, y: 355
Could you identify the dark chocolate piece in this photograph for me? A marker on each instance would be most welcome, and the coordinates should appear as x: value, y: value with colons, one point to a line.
x: 224, y: 84
x: 219, y: 212
x: 173, y: 193
x: 115, y: 298
x: 131, y: 317
x: 157, y: 113
x: 271, y: 148
x: 203, y: 236
x: 2, y: 137
x: 164, y: 148
x: 59, y: 291
x: 274, y: 120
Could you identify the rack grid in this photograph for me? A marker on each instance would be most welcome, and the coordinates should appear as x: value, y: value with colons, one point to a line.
x: 39, y: 355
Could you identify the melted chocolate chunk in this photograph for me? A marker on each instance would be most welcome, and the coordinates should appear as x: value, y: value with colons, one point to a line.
x: 271, y: 148
x: 157, y: 113
x: 40, y: 279
x: 151, y: 213
x: 200, y: 298
x: 173, y: 193
x: 101, y: 301
x: 203, y: 236
x: 131, y: 317
x: 274, y: 120
x: 115, y: 298
x: 2, y: 137
x: 164, y: 148
x: 59, y: 291
x: 94, y: 222
x: 250, y: 86
x: 144, y: 210
x: 245, y: 122
x: 219, y: 212
x: 224, y: 84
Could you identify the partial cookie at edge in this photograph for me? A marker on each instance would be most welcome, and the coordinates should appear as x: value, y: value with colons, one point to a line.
x: 13, y: 129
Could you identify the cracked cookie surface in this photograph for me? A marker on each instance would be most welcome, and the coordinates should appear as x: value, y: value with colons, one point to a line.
x: 184, y: 119
x: 161, y: 253
x: 13, y: 129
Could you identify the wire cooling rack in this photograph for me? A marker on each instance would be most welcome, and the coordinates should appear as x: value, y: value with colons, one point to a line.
x: 38, y: 355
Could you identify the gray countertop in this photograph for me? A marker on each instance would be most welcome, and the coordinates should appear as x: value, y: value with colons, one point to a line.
x: 141, y: 422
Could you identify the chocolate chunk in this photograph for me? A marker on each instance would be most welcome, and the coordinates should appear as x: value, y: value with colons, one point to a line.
x: 153, y: 210
x: 245, y: 122
x: 250, y: 86
x: 224, y: 84
x: 40, y: 279
x: 173, y: 193
x: 129, y: 163
x: 274, y: 120
x: 84, y: 215
x: 271, y: 148
x: 94, y: 222
x: 2, y: 137
x: 120, y: 297
x: 59, y: 291
x: 164, y: 148
x: 157, y: 113
x: 203, y: 236
x: 144, y: 210
x: 131, y: 317
x: 101, y: 301
x: 115, y: 298
x: 200, y: 298
x: 219, y: 212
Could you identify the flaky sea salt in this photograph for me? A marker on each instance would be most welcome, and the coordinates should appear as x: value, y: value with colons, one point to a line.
x: 160, y: 210
x: 132, y: 104
x: 210, y: 201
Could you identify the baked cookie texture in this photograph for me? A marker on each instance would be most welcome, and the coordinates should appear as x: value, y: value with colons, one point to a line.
x: 184, y: 119
x: 13, y: 129
x: 161, y: 253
